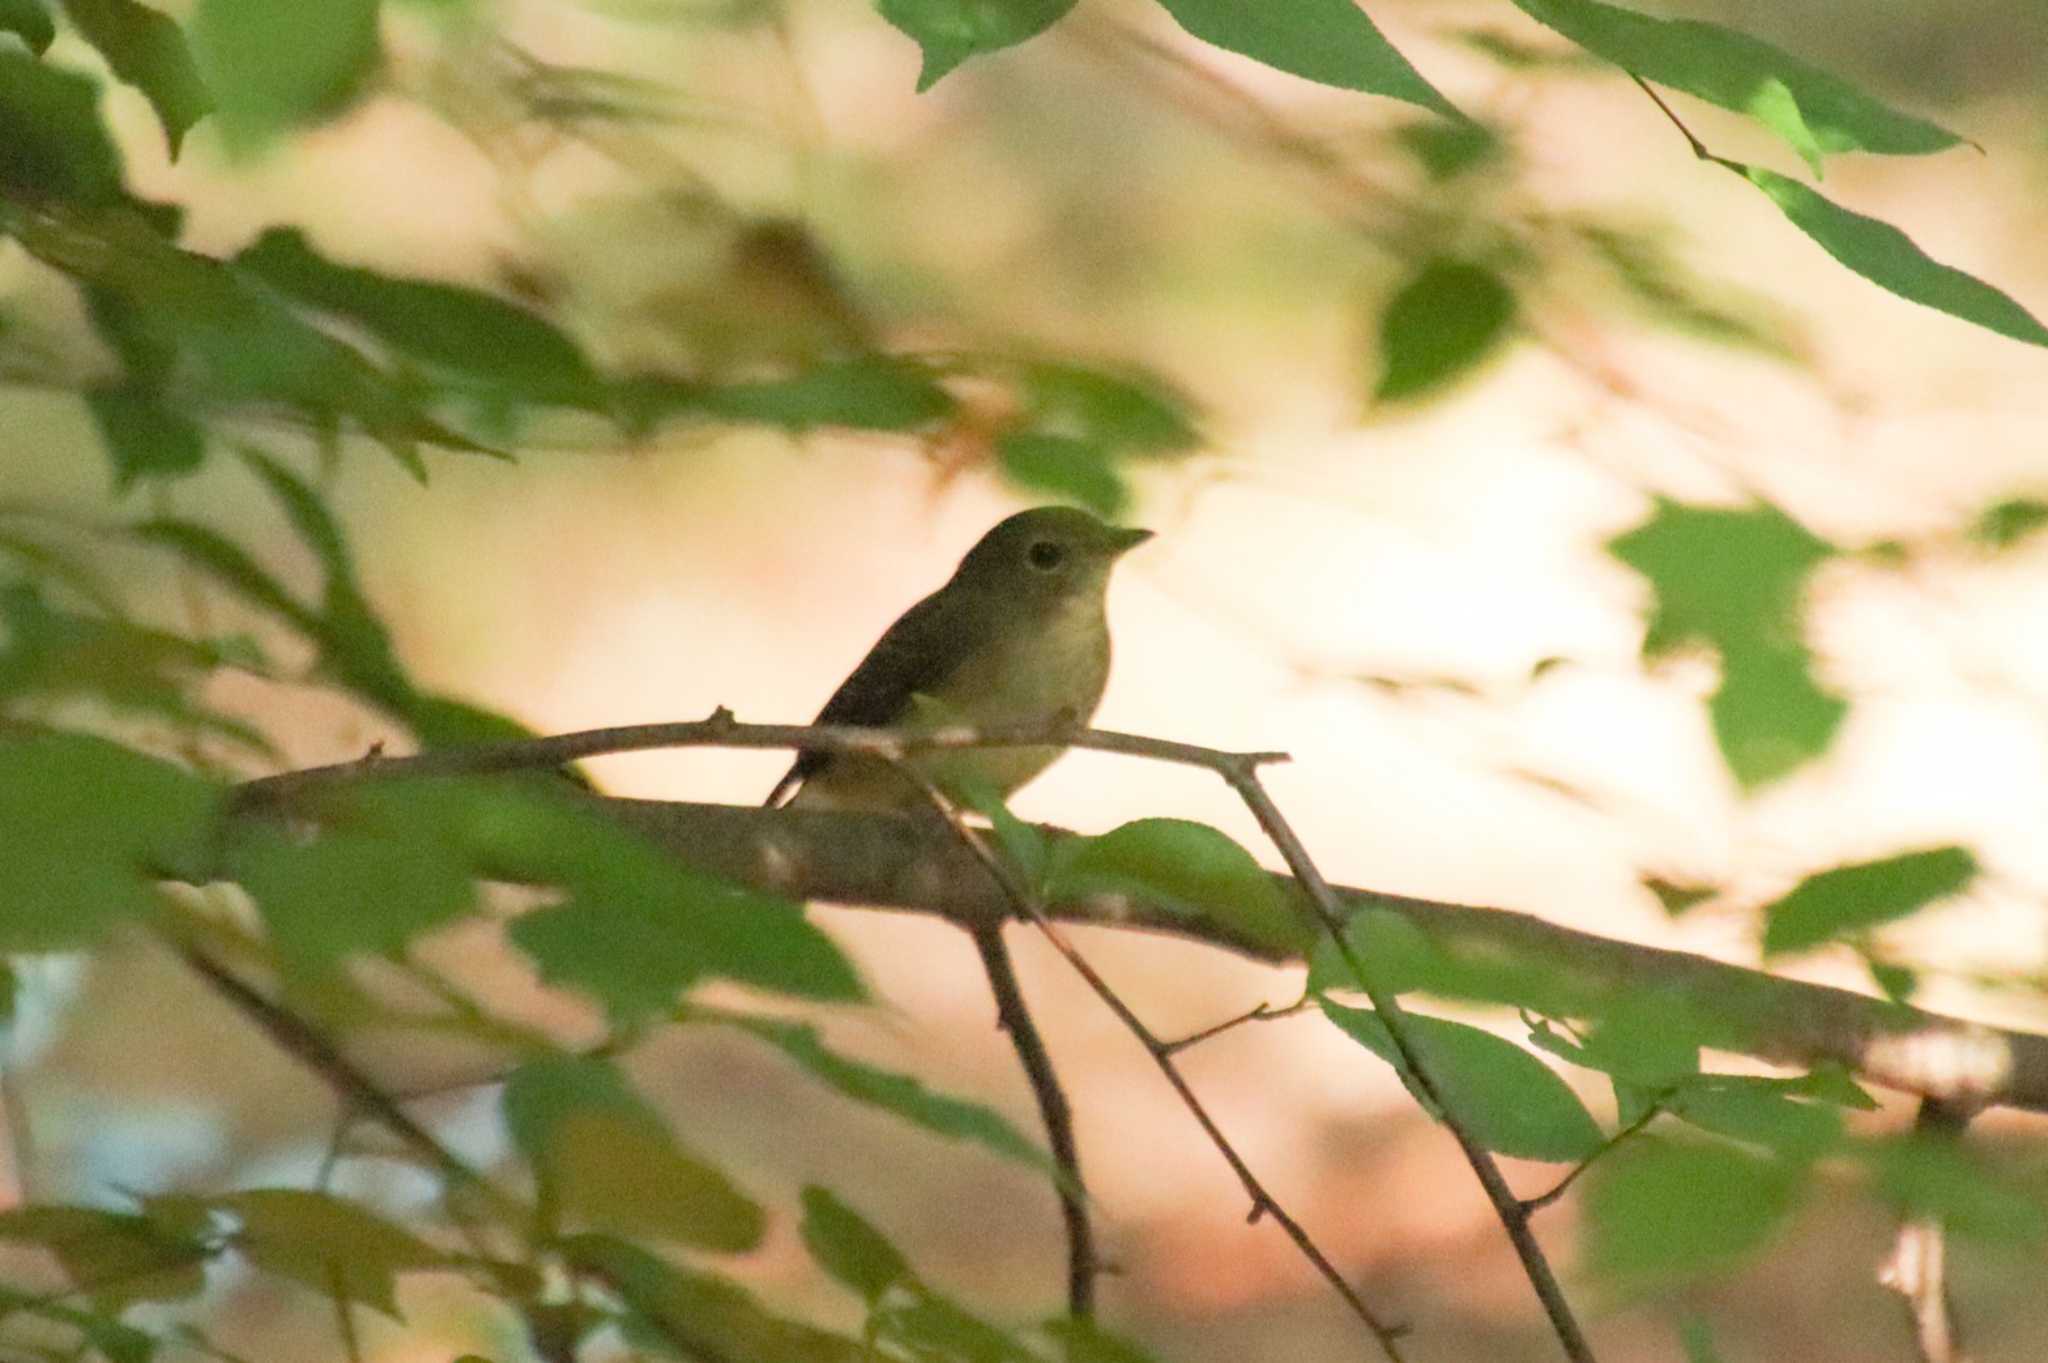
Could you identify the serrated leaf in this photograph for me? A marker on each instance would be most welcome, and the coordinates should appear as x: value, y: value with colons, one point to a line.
x: 465, y: 337
x: 1329, y: 41
x: 2004, y: 524
x: 1185, y: 867
x: 1888, y: 258
x: 1733, y: 579
x: 115, y: 1257
x: 52, y: 142
x: 1823, y: 907
x: 1659, y: 1212
x: 850, y: 1250
x: 1732, y: 69
x: 1070, y: 469
x: 950, y: 31
x: 89, y: 826
x: 1509, y: 1101
x: 144, y: 438
x: 146, y: 48
x: 29, y: 21
x: 604, y: 1159
x: 903, y: 1095
x: 273, y: 66
x: 331, y: 1245
x: 1439, y: 326
x: 706, y: 1315
x: 348, y: 891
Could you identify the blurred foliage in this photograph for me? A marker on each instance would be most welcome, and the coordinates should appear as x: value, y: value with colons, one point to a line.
x: 117, y: 764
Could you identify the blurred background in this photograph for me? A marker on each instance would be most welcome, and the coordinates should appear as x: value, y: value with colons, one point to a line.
x: 1412, y: 597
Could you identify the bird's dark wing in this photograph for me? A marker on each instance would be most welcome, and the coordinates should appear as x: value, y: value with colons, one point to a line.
x: 915, y: 654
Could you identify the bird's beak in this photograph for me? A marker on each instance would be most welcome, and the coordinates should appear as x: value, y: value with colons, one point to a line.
x: 1123, y: 541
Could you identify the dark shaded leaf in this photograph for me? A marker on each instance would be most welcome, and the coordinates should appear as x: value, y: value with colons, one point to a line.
x: 464, y: 336
x: 605, y: 1160
x: 114, y: 1257
x: 1509, y: 1100
x: 1446, y: 150
x: 851, y: 1251
x: 1850, y: 898
x: 274, y: 66
x: 1439, y: 325
x: 144, y: 438
x: 1677, y: 898
x: 1330, y: 41
x: 1813, y: 111
x: 1186, y: 867
x: 29, y: 21
x: 700, y: 1315
x: 1888, y: 258
x: 932, y: 1327
x: 951, y: 31
x: 89, y: 826
x: 1085, y: 1341
x: 1073, y: 470
x: 52, y: 143
x: 903, y: 1095
x: 1761, y: 1111
x: 1661, y: 1211
x: 330, y: 1245
x: 1936, y: 1177
x: 146, y: 48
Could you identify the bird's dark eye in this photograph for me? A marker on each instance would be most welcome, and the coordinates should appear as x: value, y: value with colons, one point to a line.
x: 1046, y: 555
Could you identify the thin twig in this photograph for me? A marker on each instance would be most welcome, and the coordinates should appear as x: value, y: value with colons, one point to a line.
x: 1699, y: 148
x: 1243, y: 775
x: 1918, y: 1266
x: 1265, y: 1012
x: 1014, y: 1017
x: 1025, y: 902
x: 1532, y: 1205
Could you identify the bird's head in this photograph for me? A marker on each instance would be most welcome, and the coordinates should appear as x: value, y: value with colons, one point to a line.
x: 1047, y: 552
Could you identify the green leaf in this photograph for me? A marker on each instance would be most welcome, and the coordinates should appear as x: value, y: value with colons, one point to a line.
x: 349, y: 891
x: 1814, y: 111
x: 228, y: 564
x: 1439, y: 326
x: 2004, y: 524
x: 1071, y: 469
x: 465, y: 337
x: 1935, y: 1177
x: 1136, y: 413
x: 1659, y: 1212
x: 1185, y: 867
x: 1331, y: 41
x: 52, y: 142
x: 951, y: 31
x: 1448, y: 150
x: 1733, y: 579
x: 1888, y: 258
x: 146, y: 48
x: 115, y: 1257
x: 29, y: 21
x: 875, y: 393
x: 851, y: 1251
x: 274, y: 65
x: 903, y: 1095
x: 931, y: 1327
x: 333, y: 1246
x: 1509, y: 1100
x: 1082, y: 1340
x: 1761, y: 1111
x: 707, y: 1316
x: 1676, y: 898
x: 144, y: 438
x: 604, y: 1159
x: 1716, y: 310
x: 1849, y: 898
x: 1696, y: 1336
x: 89, y: 826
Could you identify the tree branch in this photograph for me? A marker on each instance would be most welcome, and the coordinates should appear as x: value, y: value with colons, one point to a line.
x: 1014, y: 1017
x: 887, y: 861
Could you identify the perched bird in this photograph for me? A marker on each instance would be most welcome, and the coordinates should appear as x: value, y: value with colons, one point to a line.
x: 1017, y: 636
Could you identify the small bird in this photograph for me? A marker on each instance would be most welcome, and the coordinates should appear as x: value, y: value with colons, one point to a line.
x: 1017, y: 636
